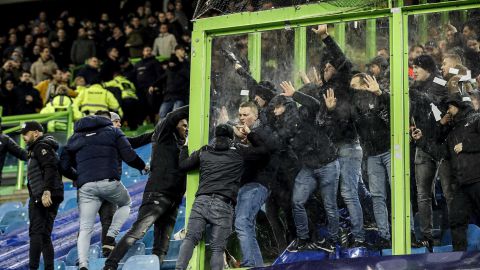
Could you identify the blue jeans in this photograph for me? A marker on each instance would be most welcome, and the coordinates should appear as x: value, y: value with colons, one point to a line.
x: 250, y: 199
x: 350, y: 158
x: 207, y: 210
x: 378, y: 178
x: 306, y: 182
x: 168, y: 106
x: 90, y: 198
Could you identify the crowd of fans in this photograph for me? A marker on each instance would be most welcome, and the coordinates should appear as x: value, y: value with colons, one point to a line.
x: 64, y: 55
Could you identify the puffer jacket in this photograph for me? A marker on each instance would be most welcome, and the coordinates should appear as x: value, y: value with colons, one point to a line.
x: 43, y: 169
x: 96, y: 149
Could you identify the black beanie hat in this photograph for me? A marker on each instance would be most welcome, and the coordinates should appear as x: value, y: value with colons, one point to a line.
x: 31, y: 126
x: 263, y: 92
x: 224, y: 130
x: 426, y: 62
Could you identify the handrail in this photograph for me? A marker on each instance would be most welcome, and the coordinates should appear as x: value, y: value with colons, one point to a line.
x: 18, y: 121
x: 159, y: 58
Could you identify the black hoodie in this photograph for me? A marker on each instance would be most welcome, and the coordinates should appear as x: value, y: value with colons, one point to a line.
x: 43, y: 169
x: 221, y: 164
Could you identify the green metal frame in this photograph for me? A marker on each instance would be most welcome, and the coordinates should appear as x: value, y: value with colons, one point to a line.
x: 308, y: 15
x: 17, y: 122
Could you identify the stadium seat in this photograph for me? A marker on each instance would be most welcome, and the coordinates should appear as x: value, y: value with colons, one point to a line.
x: 58, y: 265
x: 172, y: 254
x: 72, y: 256
x: 448, y: 248
x: 137, y: 249
x: 143, y: 262
x: 96, y: 264
x: 13, y: 216
x: 68, y: 204
x: 15, y: 226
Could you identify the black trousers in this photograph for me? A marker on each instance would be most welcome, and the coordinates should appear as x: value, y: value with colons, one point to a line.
x: 131, y: 108
x: 159, y: 211
x: 466, y: 201
x: 40, y: 232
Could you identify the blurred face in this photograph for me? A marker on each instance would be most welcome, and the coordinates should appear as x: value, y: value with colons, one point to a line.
x: 475, y: 103
x: 329, y: 72
x: 57, y: 76
x: 375, y: 70
x: 447, y: 64
x: 31, y: 136
x: 247, y: 116
x: 170, y: 16
x: 117, y: 31
x: 279, y: 110
x: 147, y: 52
x: 450, y: 36
x: 42, y: 16
x: 260, y: 101
x: 12, y: 39
x: 117, y: 123
x: 114, y: 53
x: 80, y: 81
x: 9, y: 85
x: 36, y: 50
x: 71, y: 20
x: 383, y: 53
x: 28, y: 39
x: 66, y: 76
x: 163, y: 28
x: 416, y: 52
x: 467, y: 32
x: 45, y: 54
x: 473, y: 44
x: 60, y: 24
x: 93, y: 62
x: 162, y: 17
x: 61, y: 34
x: 104, y: 17
x: 182, y: 128
x: 420, y: 73
x: 178, y: 6
x: 81, y: 32
x: 25, y: 77
x: 136, y: 22
x: 452, y: 110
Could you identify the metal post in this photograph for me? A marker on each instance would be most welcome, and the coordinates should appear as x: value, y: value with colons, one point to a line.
x: 198, y: 123
x: 255, y: 54
x: 371, y: 36
x: 400, y: 161
x: 20, y: 167
x: 69, y: 122
x: 340, y: 34
x: 300, y: 54
x: 423, y: 26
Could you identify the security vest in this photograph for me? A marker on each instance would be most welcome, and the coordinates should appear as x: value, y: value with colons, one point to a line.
x: 60, y: 103
x: 126, y: 87
x: 95, y: 98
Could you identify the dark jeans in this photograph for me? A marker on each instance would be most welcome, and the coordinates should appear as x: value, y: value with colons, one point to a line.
x: 425, y: 169
x: 466, y: 199
x: 40, y: 232
x: 157, y: 210
x: 106, y: 212
x: 207, y: 210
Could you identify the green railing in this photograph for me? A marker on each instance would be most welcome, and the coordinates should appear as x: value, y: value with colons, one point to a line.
x: 17, y: 122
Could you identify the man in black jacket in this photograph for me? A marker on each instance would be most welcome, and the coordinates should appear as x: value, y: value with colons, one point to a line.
x: 427, y: 98
x: 462, y: 150
x: 7, y: 145
x: 165, y: 186
x: 95, y: 152
x: 221, y: 165
x: 320, y: 167
x: 45, y: 189
x: 27, y: 98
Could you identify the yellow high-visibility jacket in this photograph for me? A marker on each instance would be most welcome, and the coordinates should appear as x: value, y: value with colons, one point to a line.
x: 96, y: 98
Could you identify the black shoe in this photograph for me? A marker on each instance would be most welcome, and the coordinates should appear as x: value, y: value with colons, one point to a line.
x: 427, y: 243
x: 83, y: 268
x: 298, y: 244
x: 357, y: 244
x: 383, y: 243
x: 108, y: 246
x: 323, y: 244
x: 370, y: 226
x: 107, y: 267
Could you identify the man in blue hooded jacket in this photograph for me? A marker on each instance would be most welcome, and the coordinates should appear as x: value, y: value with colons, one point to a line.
x: 92, y: 157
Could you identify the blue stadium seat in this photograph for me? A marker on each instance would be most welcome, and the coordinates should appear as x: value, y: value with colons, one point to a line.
x: 148, y: 241
x: 9, y: 206
x: 13, y: 216
x: 15, y: 226
x: 447, y: 248
x: 58, y: 265
x: 473, y: 237
x: 72, y: 256
x: 96, y: 264
x: 68, y: 204
x: 137, y: 249
x: 172, y: 254
x: 142, y: 262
